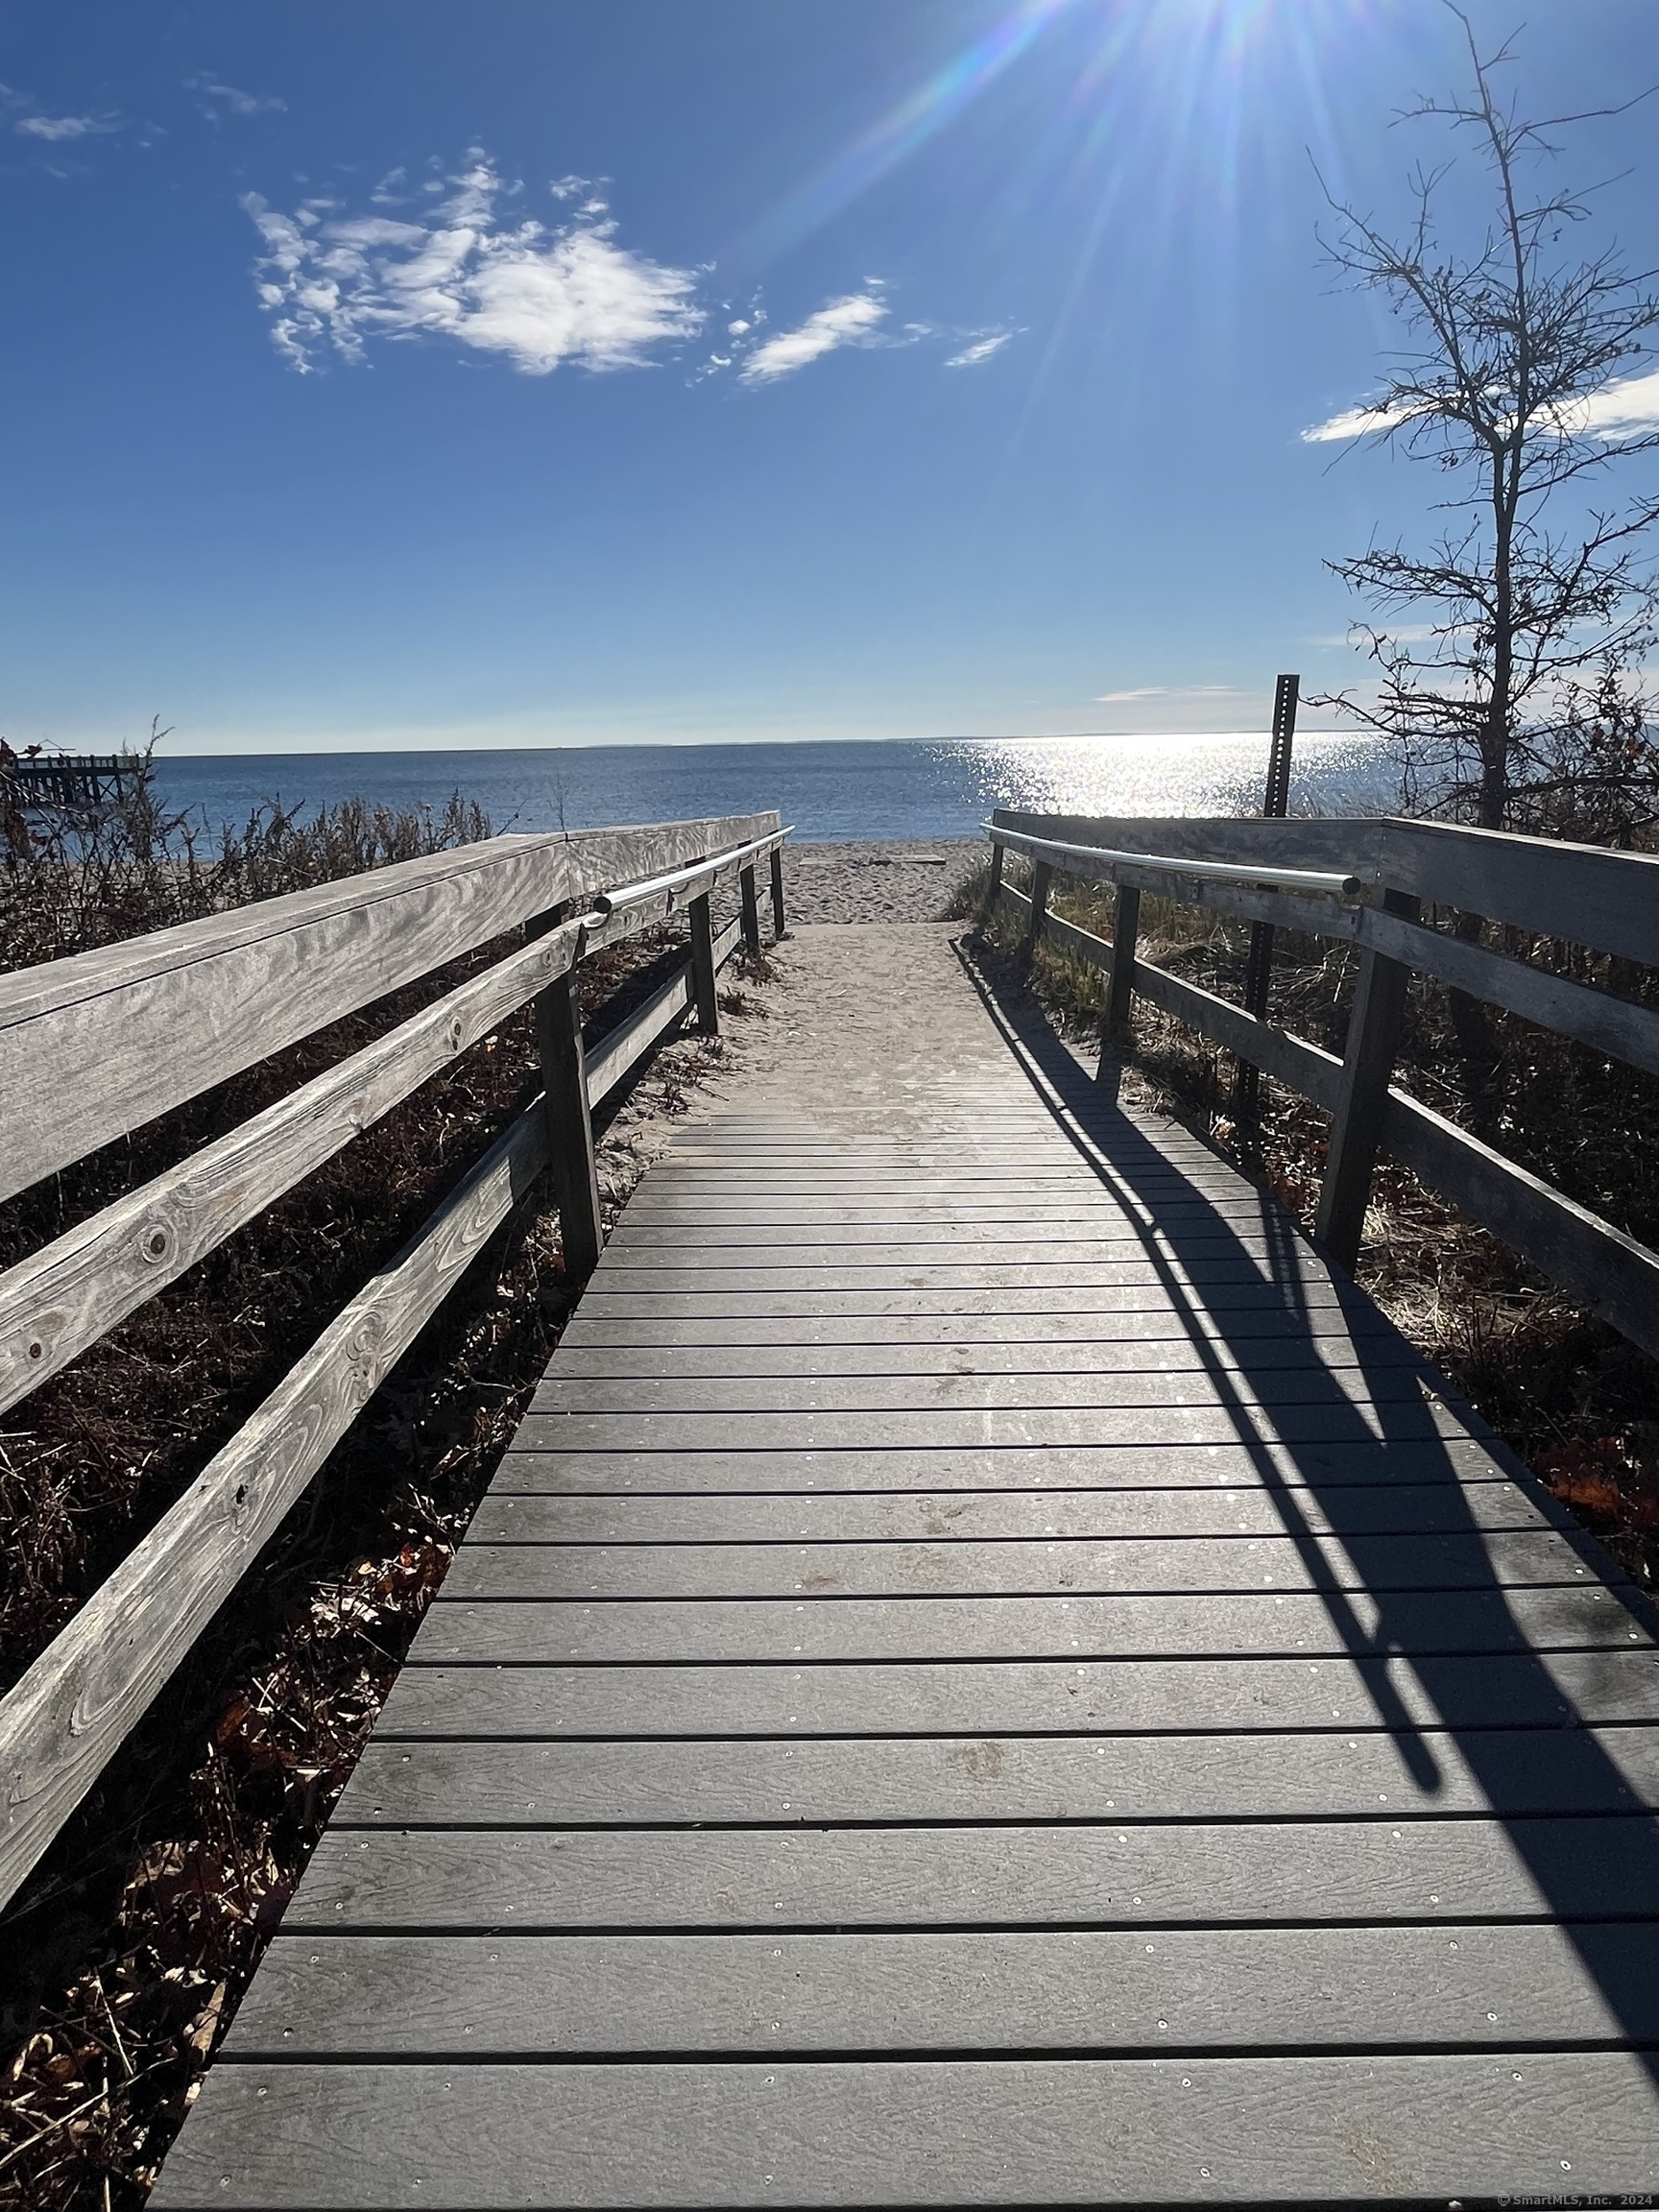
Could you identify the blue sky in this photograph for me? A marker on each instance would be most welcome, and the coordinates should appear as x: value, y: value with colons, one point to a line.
x: 579, y: 372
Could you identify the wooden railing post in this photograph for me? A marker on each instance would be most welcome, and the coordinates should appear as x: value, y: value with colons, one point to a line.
x: 1116, y: 1028
x: 570, y: 1125
x: 703, y: 968
x: 993, y: 891
x: 1041, y: 876
x: 751, y: 911
x: 777, y: 893
x: 1362, y: 1093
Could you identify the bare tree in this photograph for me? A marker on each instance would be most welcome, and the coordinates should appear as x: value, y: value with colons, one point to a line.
x: 1511, y: 686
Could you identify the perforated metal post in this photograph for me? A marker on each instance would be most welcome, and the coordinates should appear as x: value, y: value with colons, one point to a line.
x: 703, y: 968
x: 751, y: 912
x: 1275, y: 804
x: 570, y: 1125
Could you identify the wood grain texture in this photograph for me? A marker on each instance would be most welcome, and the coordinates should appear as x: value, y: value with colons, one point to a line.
x: 1036, y: 2131
x: 1582, y: 893
x: 1598, y: 1265
x: 1598, y: 1019
x: 94, y: 1046
x: 72, y: 1291
x: 618, y: 1051
x: 81, y: 1698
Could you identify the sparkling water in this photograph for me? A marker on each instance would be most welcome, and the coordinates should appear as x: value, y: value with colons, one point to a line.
x: 942, y: 787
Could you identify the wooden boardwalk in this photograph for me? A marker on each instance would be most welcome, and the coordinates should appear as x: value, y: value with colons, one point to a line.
x: 990, y: 1676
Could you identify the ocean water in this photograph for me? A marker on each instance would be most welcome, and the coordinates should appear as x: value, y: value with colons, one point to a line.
x: 828, y: 790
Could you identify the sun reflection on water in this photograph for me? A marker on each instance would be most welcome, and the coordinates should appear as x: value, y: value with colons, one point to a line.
x: 1219, y: 775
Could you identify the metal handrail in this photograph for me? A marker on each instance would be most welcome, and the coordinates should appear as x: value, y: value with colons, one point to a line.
x: 1279, y: 879
x: 608, y: 902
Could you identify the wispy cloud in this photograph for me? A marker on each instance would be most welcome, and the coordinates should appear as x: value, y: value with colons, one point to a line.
x: 1625, y: 409
x: 853, y: 321
x: 219, y: 99
x: 1352, y: 422
x: 1169, y: 691
x: 538, y: 295
x: 57, y: 128
x: 981, y: 349
x: 1629, y: 408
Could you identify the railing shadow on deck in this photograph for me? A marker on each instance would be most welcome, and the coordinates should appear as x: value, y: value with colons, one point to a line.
x: 1563, y: 1764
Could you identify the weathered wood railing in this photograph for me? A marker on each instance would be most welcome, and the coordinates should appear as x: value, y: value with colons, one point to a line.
x: 1366, y: 881
x: 93, y: 1046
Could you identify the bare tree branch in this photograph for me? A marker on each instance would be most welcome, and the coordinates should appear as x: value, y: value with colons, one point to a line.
x: 1534, y: 626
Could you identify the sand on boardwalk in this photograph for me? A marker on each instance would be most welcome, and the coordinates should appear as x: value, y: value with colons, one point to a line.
x: 876, y: 882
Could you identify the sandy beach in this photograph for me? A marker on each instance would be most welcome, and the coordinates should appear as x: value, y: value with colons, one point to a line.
x: 875, y: 883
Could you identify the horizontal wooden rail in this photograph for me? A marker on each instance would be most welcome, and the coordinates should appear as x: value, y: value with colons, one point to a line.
x: 85, y: 1693
x: 81, y: 1698
x: 1600, y: 1267
x: 619, y: 1051
x: 1602, y: 1020
x: 1292, y: 1060
x: 93, y: 1046
x: 63, y: 1298
x: 1580, y: 894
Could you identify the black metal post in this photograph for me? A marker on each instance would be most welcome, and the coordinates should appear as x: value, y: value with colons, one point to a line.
x: 1258, y: 967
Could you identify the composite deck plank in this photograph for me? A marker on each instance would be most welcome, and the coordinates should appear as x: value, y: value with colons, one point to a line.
x: 1035, y: 1566
x: 1227, y: 1310
x: 1326, y: 1466
x: 1088, y: 1990
x: 593, y: 1357
x: 1034, y: 2131
x: 1131, y: 1517
x: 763, y: 1334
x: 990, y: 1673
x: 1227, y: 1625
x: 1165, y: 1780
x: 1025, y: 1697
x: 1047, y: 1428
x: 1390, y: 1869
x: 955, y: 1391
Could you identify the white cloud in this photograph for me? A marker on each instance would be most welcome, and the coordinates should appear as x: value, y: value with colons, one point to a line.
x: 1627, y: 409
x: 1352, y: 422
x: 981, y: 349
x: 853, y: 321
x: 233, y: 101
x: 1170, y: 691
x: 538, y: 295
x: 57, y: 128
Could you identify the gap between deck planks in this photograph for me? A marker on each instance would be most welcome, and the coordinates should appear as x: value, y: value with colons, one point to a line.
x: 923, y: 1721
